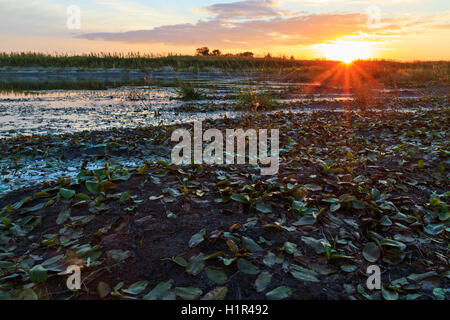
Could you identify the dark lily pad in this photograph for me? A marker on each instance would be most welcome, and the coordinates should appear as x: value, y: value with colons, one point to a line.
x: 371, y: 252
x: 247, y: 267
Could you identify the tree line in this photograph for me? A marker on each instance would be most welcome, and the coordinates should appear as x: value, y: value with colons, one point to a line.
x: 204, y: 51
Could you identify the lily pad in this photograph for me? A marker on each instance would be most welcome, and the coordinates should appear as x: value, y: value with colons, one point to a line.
x: 279, y: 293
x: 247, y: 267
x: 103, y: 289
x: 371, y: 252
x: 160, y: 291
x: 389, y: 293
x: 38, y: 274
x: 218, y: 293
x: 303, y: 274
x: 136, y: 287
x: 263, y: 281
x: 197, y: 238
x: 216, y: 275
x: 67, y: 193
x: 251, y: 245
x: 195, y: 265
x: 188, y: 293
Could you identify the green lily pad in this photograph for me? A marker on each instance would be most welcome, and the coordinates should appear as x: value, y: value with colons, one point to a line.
x: 421, y: 276
x: 218, y: 293
x: 195, y: 265
x: 269, y: 259
x: 440, y: 293
x: 261, y: 207
x: 93, y: 186
x: 67, y: 193
x: 335, y: 207
x: 371, y: 252
x: 27, y: 294
x: 188, y: 293
x: 180, y: 261
x: 160, y: 291
x: 197, y: 238
x: 216, y: 275
x: 279, y: 293
x: 303, y: 274
x: 263, y: 281
x: 63, y: 216
x: 385, y: 221
x: 359, y: 205
x: 251, y: 245
x: 434, y: 229
x: 316, y: 244
x: 389, y: 293
x: 247, y: 267
x: 136, y: 287
x: 117, y: 254
x: 290, y: 247
x: 241, y: 198
x: 348, y: 268
x: 38, y: 274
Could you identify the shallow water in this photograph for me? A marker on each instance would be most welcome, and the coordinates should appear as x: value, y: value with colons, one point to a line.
x: 60, y: 111
x: 69, y: 111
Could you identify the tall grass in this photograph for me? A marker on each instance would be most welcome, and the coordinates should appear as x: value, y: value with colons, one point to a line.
x: 390, y: 73
x: 138, y: 61
x: 22, y: 85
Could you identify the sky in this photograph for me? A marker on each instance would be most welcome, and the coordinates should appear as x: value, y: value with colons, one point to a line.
x: 404, y: 30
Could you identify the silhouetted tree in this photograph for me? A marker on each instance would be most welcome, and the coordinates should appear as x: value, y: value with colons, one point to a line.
x: 203, y: 51
x: 247, y: 54
x: 216, y: 52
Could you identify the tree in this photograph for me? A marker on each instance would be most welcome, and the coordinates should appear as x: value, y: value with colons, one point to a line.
x: 247, y: 54
x: 216, y: 52
x: 203, y: 51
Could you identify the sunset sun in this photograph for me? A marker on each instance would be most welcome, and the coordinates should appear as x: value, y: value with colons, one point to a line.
x: 346, y: 51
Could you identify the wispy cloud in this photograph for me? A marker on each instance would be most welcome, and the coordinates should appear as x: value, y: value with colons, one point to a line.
x: 298, y: 30
x: 248, y: 23
x: 244, y: 9
x: 253, y: 24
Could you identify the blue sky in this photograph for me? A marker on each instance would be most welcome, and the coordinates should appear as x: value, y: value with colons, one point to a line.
x: 407, y: 30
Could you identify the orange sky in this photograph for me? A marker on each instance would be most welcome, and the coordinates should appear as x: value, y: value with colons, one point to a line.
x: 392, y: 29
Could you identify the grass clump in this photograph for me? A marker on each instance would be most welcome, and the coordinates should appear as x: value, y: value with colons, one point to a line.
x: 364, y: 97
x: 256, y: 101
x: 187, y: 91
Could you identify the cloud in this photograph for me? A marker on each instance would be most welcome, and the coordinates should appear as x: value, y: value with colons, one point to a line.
x: 32, y: 18
x: 443, y: 27
x: 297, y: 30
x: 244, y: 9
x: 254, y: 24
